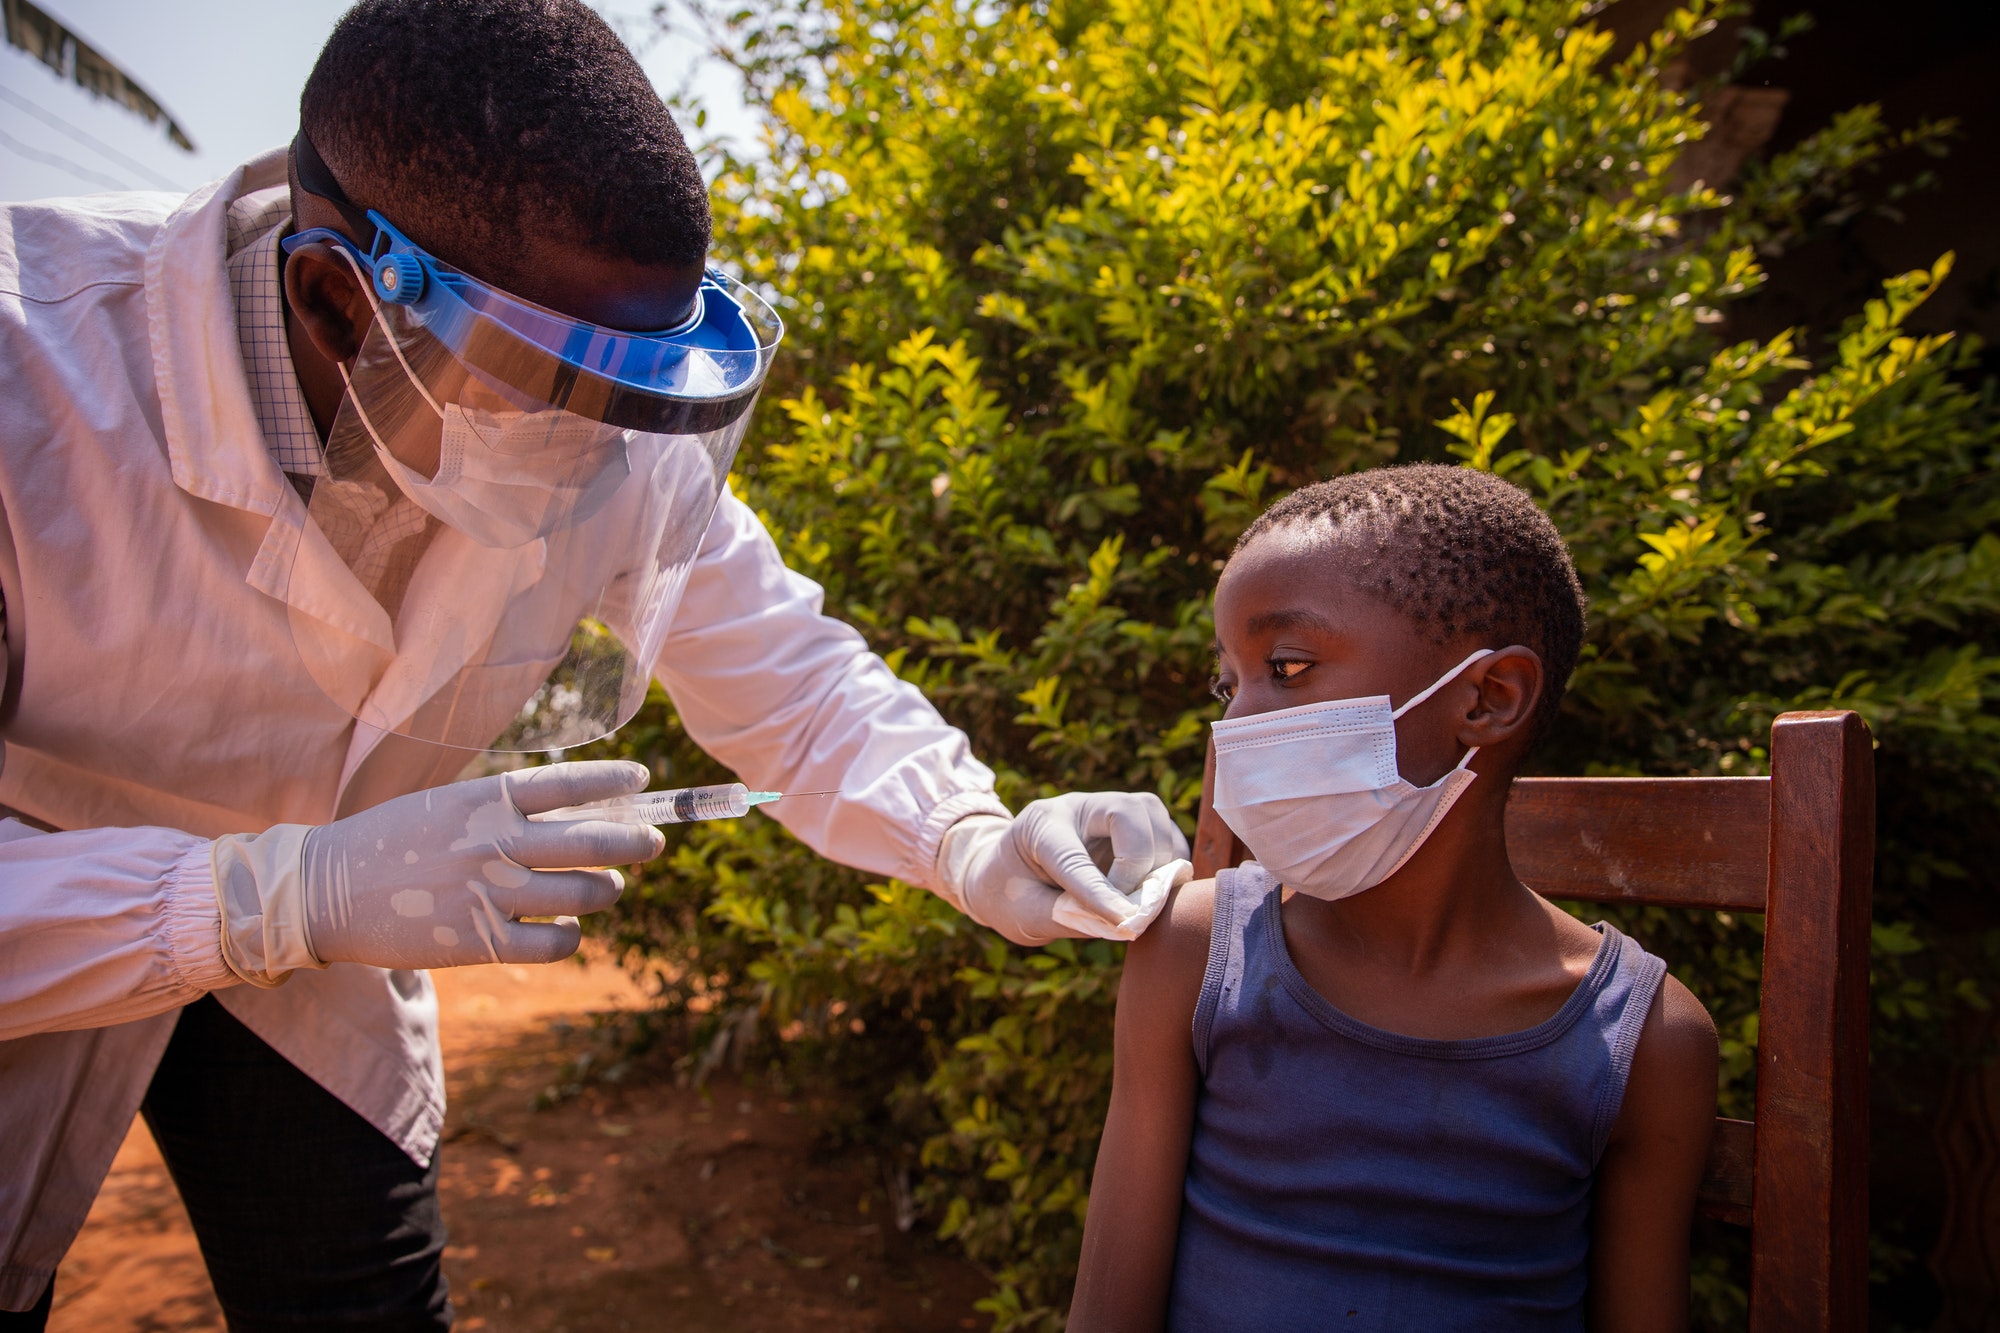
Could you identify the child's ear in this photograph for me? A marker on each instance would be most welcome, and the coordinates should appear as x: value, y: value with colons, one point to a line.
x: 1509, y: 684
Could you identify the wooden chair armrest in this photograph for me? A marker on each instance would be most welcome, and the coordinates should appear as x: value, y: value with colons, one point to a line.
x: 1725, y: 1181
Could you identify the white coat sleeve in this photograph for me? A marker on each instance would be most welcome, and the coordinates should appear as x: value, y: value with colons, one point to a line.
x: 793, y: 700
x: 104, y: 926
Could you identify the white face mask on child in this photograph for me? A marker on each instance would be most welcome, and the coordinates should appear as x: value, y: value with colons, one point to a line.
x: 1315, y: 794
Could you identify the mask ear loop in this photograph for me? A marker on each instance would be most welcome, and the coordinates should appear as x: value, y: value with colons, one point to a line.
x: 409, y: 373
x: 368, y: 290
x: 347, y: 380
x: 1438, y: 684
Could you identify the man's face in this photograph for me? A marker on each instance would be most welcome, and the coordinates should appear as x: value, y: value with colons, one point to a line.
x: 330, y: 309
x: 616, y: 293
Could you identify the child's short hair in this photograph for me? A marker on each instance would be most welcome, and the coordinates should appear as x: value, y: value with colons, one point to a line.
x: 1460, y: 552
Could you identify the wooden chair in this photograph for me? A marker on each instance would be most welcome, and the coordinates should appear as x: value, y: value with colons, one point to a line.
x: 1798, y: 847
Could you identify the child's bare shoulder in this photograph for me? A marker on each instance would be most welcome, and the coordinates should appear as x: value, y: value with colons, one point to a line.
x: 1670, y: 1091
x: 1679, y: 1037
x: 1184, y: 923
x: 1170, y: 959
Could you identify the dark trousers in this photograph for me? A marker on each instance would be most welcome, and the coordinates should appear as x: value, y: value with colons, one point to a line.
x: 308, y: 1218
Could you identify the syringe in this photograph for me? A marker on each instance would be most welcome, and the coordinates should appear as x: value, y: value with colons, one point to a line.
x: 683, y: 805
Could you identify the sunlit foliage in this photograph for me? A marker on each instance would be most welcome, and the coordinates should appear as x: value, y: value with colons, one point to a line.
x: 1076, y: 288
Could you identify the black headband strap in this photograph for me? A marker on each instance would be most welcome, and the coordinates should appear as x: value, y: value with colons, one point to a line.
x: 317, y: 179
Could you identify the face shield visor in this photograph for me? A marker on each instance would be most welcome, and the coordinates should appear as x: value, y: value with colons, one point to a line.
x: 512, y: 502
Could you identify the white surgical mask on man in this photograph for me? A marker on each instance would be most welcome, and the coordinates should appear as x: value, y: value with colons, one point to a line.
x: 506, y: 478
x: 1315, y: 794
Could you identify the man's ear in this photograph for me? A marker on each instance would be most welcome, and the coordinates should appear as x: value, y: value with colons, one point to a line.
x: 1510, y: 685
x: 323, y: 291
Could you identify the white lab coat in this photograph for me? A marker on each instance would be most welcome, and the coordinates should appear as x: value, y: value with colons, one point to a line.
x: 153, y: 700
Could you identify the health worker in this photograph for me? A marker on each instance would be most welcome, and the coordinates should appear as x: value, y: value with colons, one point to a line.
x: 404, y: 444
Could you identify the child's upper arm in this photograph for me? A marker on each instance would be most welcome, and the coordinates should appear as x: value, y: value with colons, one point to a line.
x: 1161, y: 986
x: 1129, y: 1235
x: 1651, y: 1171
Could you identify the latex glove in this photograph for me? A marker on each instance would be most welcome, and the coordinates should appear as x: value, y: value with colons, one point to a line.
x: 1089, y: 850
x: 434, y: 879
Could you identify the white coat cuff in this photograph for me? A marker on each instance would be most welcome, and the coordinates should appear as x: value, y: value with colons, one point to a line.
x: 930, y: 838
x: 192, y: 925
x: 260, y: 890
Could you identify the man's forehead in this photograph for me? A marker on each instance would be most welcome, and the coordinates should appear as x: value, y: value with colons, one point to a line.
x: 542, y: 266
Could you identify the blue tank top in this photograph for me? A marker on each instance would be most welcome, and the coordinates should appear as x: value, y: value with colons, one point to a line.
x: 1343, y: 1177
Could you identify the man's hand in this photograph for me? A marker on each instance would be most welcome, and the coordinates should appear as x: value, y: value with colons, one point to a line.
x: 1098, y: 847
x: 434, y: 879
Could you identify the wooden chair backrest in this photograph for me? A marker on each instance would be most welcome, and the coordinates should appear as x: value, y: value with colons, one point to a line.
x: 1799, y: 848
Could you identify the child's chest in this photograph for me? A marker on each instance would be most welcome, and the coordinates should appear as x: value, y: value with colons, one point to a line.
x: 1464, y: 1001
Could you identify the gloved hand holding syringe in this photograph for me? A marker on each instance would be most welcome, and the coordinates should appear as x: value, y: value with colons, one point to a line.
x: 680, y: 805
x: 988, y: 875
x: 493, y: 869
x: 498, y: 869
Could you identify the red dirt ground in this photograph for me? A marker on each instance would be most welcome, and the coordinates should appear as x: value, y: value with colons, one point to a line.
x: 635, y: 1207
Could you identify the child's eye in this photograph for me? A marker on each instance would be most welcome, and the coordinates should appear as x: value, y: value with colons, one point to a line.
x: 1221, y: 689
x: 1282, y: 670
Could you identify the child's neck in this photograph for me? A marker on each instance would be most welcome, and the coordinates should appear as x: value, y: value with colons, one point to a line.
x: 1454, y: 896
x: 1452, y: 945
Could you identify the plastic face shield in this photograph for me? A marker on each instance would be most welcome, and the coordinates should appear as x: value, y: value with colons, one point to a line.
x: 512, y: 502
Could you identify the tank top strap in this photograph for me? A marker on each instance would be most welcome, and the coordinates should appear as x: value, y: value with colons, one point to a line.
x: 1238, y: 894
x: 1620, y: 1009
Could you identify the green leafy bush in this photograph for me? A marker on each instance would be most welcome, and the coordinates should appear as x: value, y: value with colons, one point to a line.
x: 1075, y: 289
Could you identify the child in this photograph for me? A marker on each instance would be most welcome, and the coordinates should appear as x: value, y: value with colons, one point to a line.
x: 1416, y: 1096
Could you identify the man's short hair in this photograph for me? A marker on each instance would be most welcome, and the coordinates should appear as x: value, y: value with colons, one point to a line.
x: 472, y: 124
x: 1462, y: 553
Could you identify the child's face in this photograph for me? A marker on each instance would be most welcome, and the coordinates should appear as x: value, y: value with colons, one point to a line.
x: 1293, y: 627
